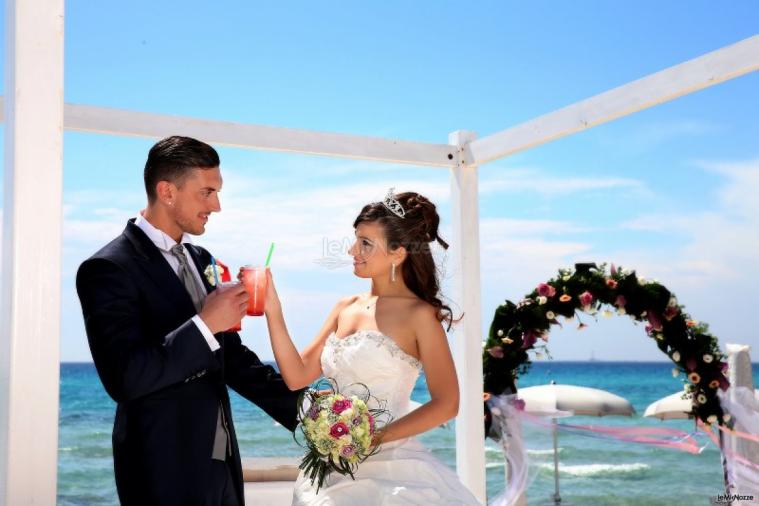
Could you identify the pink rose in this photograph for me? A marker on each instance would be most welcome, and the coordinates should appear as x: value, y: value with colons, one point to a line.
x: 338, y: 430
x: 341, y: 405
x: 621, y: 301
x: 671, y: 312
x: 611, y: 283
x: 586, y: 298
x: 528, y: 339
x: 546, y: 290
x: 496, y: 352
x: 654, y: 320
x: 519, y: 404
x: 348, y: 451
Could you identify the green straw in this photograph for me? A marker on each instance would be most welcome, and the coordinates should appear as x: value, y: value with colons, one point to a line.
x: 268, y: 257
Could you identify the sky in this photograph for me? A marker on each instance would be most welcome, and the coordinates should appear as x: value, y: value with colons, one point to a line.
x: 668, y: 191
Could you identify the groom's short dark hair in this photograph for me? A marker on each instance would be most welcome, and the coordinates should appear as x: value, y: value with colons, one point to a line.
x: 172, y: 159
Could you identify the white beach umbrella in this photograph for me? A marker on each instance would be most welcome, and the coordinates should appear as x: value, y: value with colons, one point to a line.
x: 566, y: 400
x: 674, y: 407
x: 671, y: 407
x: 563, y: 400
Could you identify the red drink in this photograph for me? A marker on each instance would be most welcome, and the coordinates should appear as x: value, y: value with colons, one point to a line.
x: 225, y: 285
x: 254, y: 279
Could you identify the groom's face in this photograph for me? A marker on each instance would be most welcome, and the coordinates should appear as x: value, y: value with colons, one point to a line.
x: 196, y: 198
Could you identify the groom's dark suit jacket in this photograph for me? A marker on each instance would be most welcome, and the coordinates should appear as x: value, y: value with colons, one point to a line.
x: 166, y: 381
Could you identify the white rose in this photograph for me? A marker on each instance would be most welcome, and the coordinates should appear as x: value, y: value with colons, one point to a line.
x: 542, y: 299
x: 701, y: 399
x: 550, y: 315
x: 500, y: 333
x: 675, y: 373
x: 708, y: 358
x: 676, y: 356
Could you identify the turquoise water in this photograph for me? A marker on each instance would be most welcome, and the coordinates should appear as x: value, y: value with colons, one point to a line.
x: 594, y: 471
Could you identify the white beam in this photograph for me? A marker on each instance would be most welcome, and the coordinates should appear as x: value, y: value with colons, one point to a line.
x: 30, y: 300
x: 694, y: 75
x: 470, y: 430
x: 104, y: 120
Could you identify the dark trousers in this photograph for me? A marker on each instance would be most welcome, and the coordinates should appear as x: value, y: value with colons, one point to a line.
x: 221, y: 490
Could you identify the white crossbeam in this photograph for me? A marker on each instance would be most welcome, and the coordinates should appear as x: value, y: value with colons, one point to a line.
x: 694, y: 75
x: 104, y: 120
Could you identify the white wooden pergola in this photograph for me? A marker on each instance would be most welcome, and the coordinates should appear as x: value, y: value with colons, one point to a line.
x: 35, y: 117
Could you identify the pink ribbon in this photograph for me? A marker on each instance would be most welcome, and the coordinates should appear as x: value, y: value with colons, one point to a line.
x: 661, y: 437
x: 729, y: 453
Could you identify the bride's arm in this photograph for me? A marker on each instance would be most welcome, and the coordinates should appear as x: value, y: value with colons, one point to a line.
x: 440, y: 372
x: 297, y: 369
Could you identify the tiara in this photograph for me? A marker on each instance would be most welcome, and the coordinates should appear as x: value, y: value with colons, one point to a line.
x: 393, y: 205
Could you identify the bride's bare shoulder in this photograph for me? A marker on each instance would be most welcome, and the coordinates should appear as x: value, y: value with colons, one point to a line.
x: 346, y: 302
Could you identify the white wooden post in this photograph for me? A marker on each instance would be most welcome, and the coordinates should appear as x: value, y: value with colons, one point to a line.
x: 30, y: 299
x: 470, y: 430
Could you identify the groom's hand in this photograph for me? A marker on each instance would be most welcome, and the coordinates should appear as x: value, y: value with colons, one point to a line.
x: 224, y: 308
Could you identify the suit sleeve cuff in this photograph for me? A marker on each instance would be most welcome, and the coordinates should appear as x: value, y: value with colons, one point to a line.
x: 207, y: 334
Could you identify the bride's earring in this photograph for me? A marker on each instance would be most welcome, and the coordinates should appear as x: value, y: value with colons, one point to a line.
x: 392, y: 274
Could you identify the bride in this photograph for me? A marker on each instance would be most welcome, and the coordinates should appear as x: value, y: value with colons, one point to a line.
x: 384, y: 339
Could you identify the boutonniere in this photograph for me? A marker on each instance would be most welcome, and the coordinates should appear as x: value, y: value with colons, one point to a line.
x: 212, y: 271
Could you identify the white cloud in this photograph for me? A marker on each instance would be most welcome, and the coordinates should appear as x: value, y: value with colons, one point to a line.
x: 711, y: 265
x: 299, y: 222
x: 721, y: 241
x: 656, y: 134
x: 543, y: 183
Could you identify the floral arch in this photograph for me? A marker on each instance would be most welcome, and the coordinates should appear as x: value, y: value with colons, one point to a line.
x: 588, y: 288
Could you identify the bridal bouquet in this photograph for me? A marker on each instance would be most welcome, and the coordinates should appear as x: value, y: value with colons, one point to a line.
x: 338, y: 429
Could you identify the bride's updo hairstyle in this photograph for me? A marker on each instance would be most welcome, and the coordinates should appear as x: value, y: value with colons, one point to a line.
x: 414, y: 231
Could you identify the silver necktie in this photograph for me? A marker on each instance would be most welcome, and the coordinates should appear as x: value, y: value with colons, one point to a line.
x: 188, y: 280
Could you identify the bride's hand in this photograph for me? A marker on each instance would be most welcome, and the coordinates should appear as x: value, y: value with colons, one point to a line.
x: 272, y: 298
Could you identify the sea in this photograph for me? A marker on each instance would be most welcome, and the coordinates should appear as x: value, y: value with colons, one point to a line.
x: 593, y: 470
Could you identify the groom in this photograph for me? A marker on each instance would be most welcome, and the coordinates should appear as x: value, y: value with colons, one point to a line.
x: 156, y: 330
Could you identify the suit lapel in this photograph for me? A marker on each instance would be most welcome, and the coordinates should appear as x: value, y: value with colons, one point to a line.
x: 152, y: 261
x: 202, y: 259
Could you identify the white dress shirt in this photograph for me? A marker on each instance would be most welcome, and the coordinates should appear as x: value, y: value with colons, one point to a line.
x: 164, y: 243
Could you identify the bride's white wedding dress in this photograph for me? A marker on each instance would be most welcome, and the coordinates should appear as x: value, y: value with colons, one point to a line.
x: 402, y: 472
